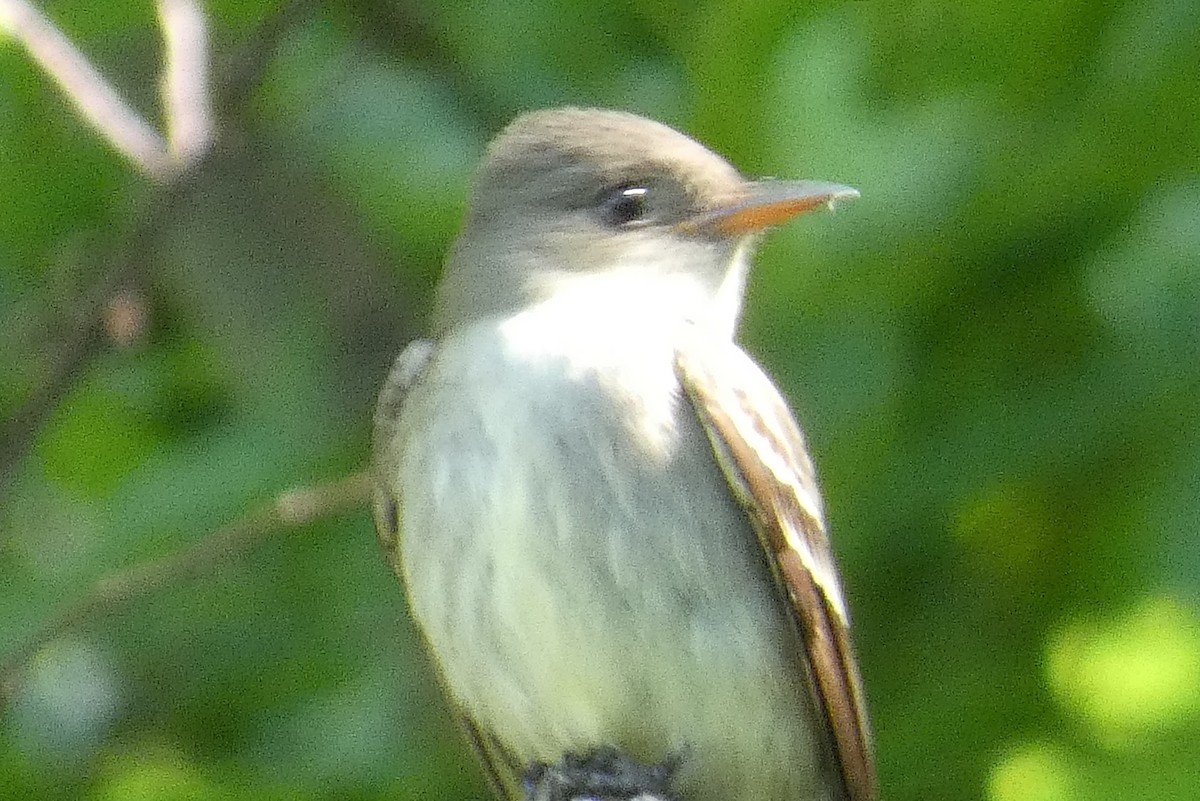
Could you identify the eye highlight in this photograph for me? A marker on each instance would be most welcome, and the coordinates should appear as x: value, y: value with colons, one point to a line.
x: 625, y: 206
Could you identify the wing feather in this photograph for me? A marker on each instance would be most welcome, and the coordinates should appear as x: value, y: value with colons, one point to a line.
x: 404, y: 373
x: 762, y: 452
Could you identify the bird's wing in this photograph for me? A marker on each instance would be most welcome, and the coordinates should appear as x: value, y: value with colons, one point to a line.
x: 503, y: 772
x: 761, y: 450
x: 404, y: 373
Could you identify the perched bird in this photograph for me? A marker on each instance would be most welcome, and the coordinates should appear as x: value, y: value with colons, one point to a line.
x: 602, y: 510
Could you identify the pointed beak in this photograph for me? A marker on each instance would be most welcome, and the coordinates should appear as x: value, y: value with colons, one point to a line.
x: 769, y: 203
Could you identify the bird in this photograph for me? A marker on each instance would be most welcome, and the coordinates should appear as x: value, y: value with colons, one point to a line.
x: 602, y: 510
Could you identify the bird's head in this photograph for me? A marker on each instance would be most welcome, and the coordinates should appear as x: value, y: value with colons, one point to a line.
x: 568, y: 194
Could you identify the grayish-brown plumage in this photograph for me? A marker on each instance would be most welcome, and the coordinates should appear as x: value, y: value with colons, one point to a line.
x: 603, y: 511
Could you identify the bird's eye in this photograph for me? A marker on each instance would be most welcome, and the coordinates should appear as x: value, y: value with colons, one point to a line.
x: 625, y: 206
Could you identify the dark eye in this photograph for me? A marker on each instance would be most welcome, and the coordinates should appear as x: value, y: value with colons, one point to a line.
x: 626, y: 205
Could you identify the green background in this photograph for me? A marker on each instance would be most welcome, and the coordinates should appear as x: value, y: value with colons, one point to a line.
x: 995, y: 353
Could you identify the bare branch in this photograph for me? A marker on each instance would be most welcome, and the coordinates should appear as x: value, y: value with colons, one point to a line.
x: 81, y: 333
x: 190, y: 120
x: 95, y: 98
x: 291, y: 509
x: 185, y: 85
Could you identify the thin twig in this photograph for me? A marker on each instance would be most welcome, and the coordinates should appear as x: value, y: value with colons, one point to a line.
x: 116, y: 590
x: 186, y: 99
x: 190, y: 119
x: 82, y: 336
x: 96, y: 99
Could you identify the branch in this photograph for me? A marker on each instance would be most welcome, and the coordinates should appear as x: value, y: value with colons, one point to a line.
x: 96, y: 99
x: 82, y: 336
x: 111, y: 593
x: 186, y: 98
x: 607, y: 772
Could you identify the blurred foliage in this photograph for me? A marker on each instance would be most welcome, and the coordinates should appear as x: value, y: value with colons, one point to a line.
x: 996, y: 353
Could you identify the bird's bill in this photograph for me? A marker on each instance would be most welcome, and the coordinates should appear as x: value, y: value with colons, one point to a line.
x: 771, y: 202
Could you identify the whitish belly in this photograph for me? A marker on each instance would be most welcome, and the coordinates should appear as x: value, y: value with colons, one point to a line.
x: 582, y: 584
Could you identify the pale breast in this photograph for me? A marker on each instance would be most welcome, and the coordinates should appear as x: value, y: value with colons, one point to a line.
x: 581, y: 571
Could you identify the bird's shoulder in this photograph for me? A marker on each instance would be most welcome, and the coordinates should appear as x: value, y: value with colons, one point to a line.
x: 406, y: 370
